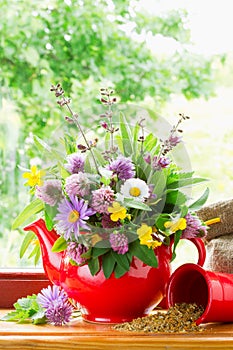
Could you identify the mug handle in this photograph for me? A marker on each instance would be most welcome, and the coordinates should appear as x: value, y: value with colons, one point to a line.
x: 200, y: 245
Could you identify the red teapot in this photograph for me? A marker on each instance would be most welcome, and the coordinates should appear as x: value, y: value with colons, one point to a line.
x: 111, y: 300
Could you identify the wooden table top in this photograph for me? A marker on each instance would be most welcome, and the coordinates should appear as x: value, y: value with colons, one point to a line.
x: 82, y: 335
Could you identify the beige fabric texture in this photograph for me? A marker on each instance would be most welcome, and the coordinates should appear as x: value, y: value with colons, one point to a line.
x: 219, y: 240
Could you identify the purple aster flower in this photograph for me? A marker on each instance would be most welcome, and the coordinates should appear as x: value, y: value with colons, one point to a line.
x: 77, y: 184
x: 50, y: 192
x: 119, y: 242
x: 194, y: 228
x: 72, y: 215
x: 123, y: 168
x: 75, y: 250
x: 102, y: 199
x: 54, y: 300
x: 75, y: 163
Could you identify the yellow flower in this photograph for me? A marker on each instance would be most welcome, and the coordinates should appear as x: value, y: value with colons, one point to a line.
x: 34, y: 177
x: 145, y: 236
x: 174, y: 226
x: 117, y: 212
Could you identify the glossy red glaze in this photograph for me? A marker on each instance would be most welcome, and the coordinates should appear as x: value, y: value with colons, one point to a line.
x: 109, y: 300
x: 190, y: 283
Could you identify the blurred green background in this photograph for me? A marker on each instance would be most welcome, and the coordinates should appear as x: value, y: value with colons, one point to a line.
x: 146, y: 50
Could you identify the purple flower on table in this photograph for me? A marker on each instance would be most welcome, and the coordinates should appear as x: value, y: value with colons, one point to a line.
x: 102, y: 199
x: 50, y: 192
x: 194, y: 227
x: 54, y: 300
x: 74, y: 252
x: 119, y: 242
x: 71, y: 216
x: 122, y: 167
x: 75, y: 163
x: 77, y: 184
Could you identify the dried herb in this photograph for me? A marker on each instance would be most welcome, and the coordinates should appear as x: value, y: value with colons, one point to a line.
x: 177, y: 319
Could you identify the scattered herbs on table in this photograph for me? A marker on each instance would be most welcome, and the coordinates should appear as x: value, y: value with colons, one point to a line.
x: 177, y: 319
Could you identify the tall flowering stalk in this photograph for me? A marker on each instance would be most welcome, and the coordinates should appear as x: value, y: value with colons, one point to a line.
x: 59, y: 92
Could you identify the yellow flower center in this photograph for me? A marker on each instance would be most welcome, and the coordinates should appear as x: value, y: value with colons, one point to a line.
x: 135, y: 192
x: 73, y: 216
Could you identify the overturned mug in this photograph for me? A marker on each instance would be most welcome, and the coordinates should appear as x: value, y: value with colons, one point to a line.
x: 190, y: 283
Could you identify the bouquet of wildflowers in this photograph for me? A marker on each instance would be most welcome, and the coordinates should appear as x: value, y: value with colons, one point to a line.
x: 112, y: 200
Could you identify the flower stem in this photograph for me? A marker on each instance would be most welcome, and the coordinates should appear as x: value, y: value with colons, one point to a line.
x: 75, y: 120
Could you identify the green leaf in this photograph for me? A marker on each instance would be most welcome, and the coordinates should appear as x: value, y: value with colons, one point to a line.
x: 31, y: 209
x: 119, y: 271
x: 186, y: 182
x: 126, y: 136
x: 177, y: 236
x: 29, y: 237
x: 59, y: 245
x: 88, y: 254
x: 50, y: 213
x: 150, y: 143
x: 94, y: 266
x: 44, y: 148
x: 200, y: 202
x: 176, y: 198
x: 96, y: 252
x: 26, y: 309
x: 132, y: 203
x: 144, y: 253
x: 122, y: 260
x: 108, y: 263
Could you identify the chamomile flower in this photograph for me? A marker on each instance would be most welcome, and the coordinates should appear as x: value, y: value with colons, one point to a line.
x: 135, y: 189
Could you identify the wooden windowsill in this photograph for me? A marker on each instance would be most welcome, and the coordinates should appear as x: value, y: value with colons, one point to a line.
x: 82, y: 335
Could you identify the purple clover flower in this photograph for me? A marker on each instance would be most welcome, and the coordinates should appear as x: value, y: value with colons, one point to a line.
x: 75, y: 250
x: 50, y: 192
x: 123, y: 168
x: 54, y: 300
x: 77, y: 184
x: 102, y: 199
x: 72, y: 215
x: 59, y: 313
x: 194, y: 227
x: 119, y: 242
x: 75, y: 163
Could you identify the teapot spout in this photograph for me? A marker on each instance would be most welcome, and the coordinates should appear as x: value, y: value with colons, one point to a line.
x: 51, y: 261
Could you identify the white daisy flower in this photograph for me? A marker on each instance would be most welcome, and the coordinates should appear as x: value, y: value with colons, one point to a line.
x: 136, y: 189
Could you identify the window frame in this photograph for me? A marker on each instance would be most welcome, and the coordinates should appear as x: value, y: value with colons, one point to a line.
x: 18, y: 283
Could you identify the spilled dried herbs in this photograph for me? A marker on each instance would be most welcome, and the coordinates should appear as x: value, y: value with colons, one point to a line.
x: 177, y: 319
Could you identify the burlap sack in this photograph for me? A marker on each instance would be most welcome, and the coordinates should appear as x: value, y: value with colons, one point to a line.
x: 219, y: 240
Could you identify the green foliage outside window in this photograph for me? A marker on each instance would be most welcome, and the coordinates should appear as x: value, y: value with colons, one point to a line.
x: 84, y: 45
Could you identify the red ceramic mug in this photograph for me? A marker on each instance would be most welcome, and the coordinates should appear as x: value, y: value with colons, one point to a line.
x: 191, y: 283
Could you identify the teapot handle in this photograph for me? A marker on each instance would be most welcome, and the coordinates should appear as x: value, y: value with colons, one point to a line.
x: 200, y: 245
